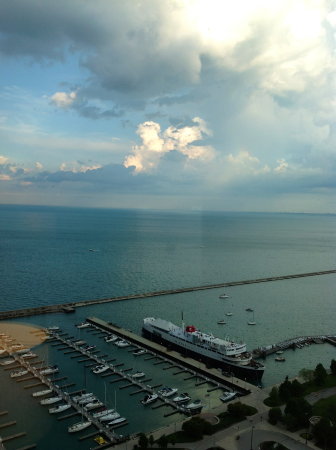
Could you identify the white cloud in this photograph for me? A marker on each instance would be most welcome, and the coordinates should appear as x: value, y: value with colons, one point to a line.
x: 63, y: 99
x: 283, y: 166
x: 38, y: 165
x: 77, y: 167
x: 5, y: 177
x: 3, y: 160
x: 156, y: 143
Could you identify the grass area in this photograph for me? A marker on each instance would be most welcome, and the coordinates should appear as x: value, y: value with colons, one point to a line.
x: 310, y: 386
x: 324, y: 406
x: 225, y: 421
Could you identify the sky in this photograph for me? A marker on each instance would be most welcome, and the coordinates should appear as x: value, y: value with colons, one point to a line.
x: 169, y: 104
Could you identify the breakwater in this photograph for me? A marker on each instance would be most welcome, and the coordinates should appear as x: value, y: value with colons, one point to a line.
x: 69, y: 307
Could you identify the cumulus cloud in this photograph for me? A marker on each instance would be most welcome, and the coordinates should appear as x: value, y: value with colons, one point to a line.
x: 155, y: 144
x: 78, y: 167
x: 63, y: 99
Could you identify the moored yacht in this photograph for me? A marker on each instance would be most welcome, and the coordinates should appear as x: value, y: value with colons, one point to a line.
x: 79, y: 426
x: 149, y: 398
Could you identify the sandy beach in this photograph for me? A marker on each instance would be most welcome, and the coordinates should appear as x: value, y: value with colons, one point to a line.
x: 27, y: 335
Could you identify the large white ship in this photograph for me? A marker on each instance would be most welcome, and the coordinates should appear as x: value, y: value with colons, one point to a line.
x: 225, y: 354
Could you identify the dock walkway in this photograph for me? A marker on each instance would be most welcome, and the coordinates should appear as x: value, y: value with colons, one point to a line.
x: 44, y: 380
x: 293, y: 343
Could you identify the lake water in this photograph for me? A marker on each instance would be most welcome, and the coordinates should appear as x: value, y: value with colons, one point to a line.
x: 47, y: 258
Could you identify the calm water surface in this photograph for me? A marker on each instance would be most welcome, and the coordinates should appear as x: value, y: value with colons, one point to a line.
x: 46, y: 259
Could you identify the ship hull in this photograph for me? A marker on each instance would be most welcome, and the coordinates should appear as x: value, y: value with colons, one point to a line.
x: 249, y: 373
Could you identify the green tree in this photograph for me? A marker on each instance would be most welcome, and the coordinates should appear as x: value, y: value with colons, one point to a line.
x: 320, y: 375
x: 274, y: 415
x: 143, y: 441
x: 151, y: 440
x: 296, y: 389
x: 324, y: 433
x: 285, y: 390
x: 333, y: 367
x: 163, y: 441
x: 297, y: 413
x: 274, y: 398
x: 307, y: 374
x: 194, y: 427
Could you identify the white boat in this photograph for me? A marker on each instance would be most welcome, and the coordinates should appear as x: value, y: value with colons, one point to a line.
x: 18, y: 373
x: 138, y: 375
x: 93, y: 405
x: 28, y: 355
x: 49, y: 370
x: 141, y: 351
x: 83, y: 325
x: 280, y: 359
x: 227, y: 396
x: 182, y: 398
x: 102, y: 413
x: 110, y: 416
x: 7, y: 362
x: 50, y: 400
x: 223, y: 296
x: 224, y: 354
x: 79, y: 426
x: 110, y: 338
x: 252, y: 322
x: 149, y: 398
x: 195, y: 406
x: 221, y: 322
x: 100, y: 369
x: 86, y: 400
x: 228, y: 314
x: 279, y: 352
x: 122, y: 343
x: 59, y: 408
x: 117, y: 421
x: 53, y: 328
x: 77, y: 398
x: 42, y: 393
x: 167, y: 391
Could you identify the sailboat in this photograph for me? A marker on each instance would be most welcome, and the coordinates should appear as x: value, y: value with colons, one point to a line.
x: 252, y: 322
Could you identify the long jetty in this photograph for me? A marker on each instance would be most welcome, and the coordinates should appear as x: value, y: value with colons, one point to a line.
x: 69, y: 307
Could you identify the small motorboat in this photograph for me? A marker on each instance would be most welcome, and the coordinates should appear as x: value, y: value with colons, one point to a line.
x: 279, y: 352
x: 167, y: 391
x: 138, y: 352
x: 93, y: 405
x: 100, y: 369
x: 249, y: 309
x: 122, y: 343
x: 77, y: 398
x: 86, y: 400
x: 227, y: 396
x: 149, y: 398
x: 42, y: 393
x: 194, y: 407
x: 102, y: 413
x: 59, y: 408
x: 79, y: 426
x: 50, y: 400
x: 109, y: 416
x: 117, y: 421
x: 182, y: 398
x: 223, y: 296
x: 138, y: 375
x: 83, y: 325
x: 18, y: 373
x: 280, y: 359
x: 49, y: 370
x: 7, y: 362
x: 228, y: 314
x: 110, y: 338
x: 221, y: 322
